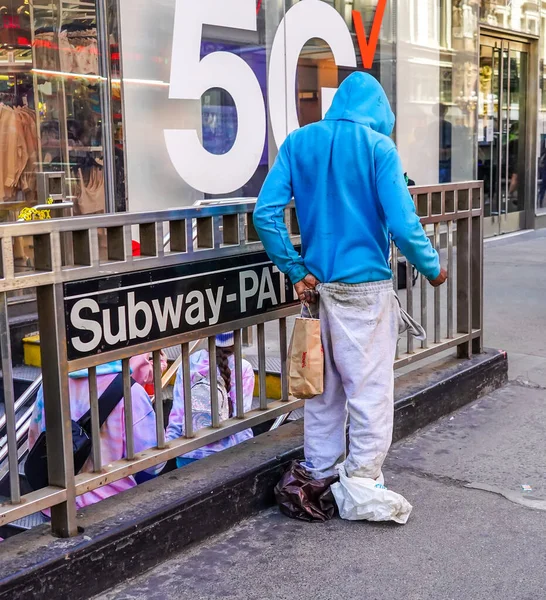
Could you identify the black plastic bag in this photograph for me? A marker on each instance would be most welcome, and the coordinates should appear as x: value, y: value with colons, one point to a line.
x: 299, y: 496
x: 403, y: 275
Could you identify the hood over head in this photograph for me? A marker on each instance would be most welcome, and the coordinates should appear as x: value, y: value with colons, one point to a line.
x: 361, y: 99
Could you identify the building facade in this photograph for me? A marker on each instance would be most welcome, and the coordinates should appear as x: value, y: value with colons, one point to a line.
x: 111, y: 105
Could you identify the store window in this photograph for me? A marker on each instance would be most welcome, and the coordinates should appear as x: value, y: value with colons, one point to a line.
x: 209, y: 95
x: 437, y: 52
x: 51, y: 158
x: 103, y: 136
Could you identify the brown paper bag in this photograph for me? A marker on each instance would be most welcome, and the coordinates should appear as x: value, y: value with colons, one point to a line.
x: 305, y: 360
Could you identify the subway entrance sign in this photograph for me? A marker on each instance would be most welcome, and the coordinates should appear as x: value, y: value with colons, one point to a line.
x: 120, y: 311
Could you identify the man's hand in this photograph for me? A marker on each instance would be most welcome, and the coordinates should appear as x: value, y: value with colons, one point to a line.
x: 440, y: 279
x: 306, y: 289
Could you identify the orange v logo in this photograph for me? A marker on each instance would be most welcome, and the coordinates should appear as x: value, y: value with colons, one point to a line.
x: 368, y: 47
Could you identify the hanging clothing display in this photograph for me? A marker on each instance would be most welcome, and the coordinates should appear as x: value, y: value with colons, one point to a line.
x: 77, y: 51
x: 45, y: 50
x: 27, y: 123
x: 18, y: 150
x: 91, y: 197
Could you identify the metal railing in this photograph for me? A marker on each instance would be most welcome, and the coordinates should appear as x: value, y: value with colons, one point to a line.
x: 223, y: 233
x: 452, y: 214
x: 27, y: 399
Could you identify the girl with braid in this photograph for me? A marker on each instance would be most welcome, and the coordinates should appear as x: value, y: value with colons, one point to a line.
x: 199, y: 371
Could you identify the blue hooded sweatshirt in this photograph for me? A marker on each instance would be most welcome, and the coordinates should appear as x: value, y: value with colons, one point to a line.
x: 348, y: 184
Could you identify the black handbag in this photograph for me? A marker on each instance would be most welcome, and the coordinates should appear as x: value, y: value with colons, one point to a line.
x: 403, y: 272
x: 36, y: 463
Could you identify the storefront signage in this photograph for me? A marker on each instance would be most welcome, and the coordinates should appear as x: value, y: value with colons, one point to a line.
x: 192, y: 76
x: 124, y: 310
x: 368, y: 46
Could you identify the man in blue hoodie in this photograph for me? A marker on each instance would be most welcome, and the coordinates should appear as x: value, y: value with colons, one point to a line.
x: 348, y: 184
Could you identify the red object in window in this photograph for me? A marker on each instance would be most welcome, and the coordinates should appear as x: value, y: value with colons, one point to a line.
x: 136, y: 248
x: 258, y: 6
x: 45, y: 44
x: 11, y: 22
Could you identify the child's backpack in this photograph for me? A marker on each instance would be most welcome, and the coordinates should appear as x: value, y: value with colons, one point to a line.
x: 200, y: 402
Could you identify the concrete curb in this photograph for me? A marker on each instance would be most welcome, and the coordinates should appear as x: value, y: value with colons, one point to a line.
x: 164, y: 516
x: 424, y: 396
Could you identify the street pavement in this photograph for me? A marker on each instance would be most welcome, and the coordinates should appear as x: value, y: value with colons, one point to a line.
x: 515, y: 302
x: 461, y: 543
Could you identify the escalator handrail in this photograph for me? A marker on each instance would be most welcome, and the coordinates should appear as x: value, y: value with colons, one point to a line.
x: 22, y: 451
x: 22, y: 435
x: 20, y: 423
x: 32, y: 389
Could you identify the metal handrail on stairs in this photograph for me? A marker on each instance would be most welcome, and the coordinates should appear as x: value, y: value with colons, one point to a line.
x: 21, y: 428
x: 32, y: 389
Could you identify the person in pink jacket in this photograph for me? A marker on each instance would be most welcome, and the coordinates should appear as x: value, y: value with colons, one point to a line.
x: 112, y: 433
x: 199, y: 368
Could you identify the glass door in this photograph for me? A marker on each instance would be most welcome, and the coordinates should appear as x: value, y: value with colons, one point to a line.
x: 502, y: 130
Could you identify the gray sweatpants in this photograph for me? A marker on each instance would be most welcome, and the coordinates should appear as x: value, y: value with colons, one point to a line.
x: 360, y: 325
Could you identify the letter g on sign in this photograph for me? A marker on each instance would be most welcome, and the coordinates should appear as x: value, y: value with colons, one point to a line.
x: 306, y: 20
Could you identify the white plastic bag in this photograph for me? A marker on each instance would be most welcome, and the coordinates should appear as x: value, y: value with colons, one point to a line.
x: 360, y: 498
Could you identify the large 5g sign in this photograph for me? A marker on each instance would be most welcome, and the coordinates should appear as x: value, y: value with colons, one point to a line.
x: 191, y: 77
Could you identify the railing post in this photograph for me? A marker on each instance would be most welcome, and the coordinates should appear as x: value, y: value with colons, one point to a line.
x: 477, y: 276
x: 9, y: 400
x: 248, y: 337
x: 57, y: 405
x: 464, y: 290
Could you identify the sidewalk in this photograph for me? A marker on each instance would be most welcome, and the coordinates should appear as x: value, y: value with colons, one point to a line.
x: 460, y: 542
x: 515, y: 302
